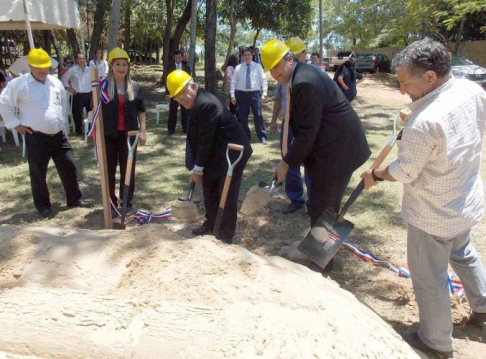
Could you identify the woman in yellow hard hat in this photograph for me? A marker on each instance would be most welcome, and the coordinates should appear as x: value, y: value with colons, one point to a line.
x: 125, y: 112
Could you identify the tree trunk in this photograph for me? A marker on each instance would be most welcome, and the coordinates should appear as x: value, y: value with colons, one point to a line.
x: 73, y: 41
x: 128, y: 12
x: 47, y: 41
x: 179, y: 30
x: 192, y: 46
x: 459, y: 36
x: 211, y: 83
x: 232, y: 32
x: 167, y: 33
x: 256, y: 37
x: 101, y: 7
x: 114, y: 25
x: 57, y: 47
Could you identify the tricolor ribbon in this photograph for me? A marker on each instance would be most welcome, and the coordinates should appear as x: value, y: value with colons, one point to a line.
x: 455, y: 285
x: 102, y: 83
x: 143, y: 217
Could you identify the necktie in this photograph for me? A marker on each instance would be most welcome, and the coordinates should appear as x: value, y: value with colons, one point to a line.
x: 248, y: 79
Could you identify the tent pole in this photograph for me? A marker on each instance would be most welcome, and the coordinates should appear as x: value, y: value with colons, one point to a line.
x: 27, y: 24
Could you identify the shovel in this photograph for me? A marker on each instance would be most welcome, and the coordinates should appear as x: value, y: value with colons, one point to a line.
x: 128, y: 172
x: 273, y: 188
x: 189, y: 195
x: 227, y: 182
x: 331, y: 229
x: 185, y: 208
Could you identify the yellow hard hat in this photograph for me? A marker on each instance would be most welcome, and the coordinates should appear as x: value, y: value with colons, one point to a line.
x: 176, y: 81
x: 272, y: 53
x: 296, y: 45
x: 118, y: 53
x: 38, y: 58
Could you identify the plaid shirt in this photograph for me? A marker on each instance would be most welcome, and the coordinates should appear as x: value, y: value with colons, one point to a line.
x: 439, y: 158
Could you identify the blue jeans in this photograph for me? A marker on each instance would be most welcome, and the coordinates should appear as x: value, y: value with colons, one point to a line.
x: 245, y: 101
x: 294, y: 186
x: 428, y: 258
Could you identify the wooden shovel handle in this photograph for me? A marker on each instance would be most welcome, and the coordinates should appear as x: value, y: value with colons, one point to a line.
x: 381, y: 157
x: 132, y: 133
x: 233, y: 146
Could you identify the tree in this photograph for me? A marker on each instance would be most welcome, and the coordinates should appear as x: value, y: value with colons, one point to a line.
x: 210, y: 80
x: 192, y: 46
x: 102, y: 7
x: 114, y: 24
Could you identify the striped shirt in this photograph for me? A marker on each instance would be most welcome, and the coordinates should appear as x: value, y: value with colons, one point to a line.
x: 439, y: 158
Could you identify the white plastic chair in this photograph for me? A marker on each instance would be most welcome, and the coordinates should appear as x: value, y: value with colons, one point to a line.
x: 161, y: 107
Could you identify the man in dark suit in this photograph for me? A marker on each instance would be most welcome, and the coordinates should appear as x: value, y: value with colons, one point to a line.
x: 174, y: 105
x: 328, y: 136
x: 211, y: 128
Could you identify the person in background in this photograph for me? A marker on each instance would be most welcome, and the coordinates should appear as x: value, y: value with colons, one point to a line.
x: 100, y: 63
x: 174, y: 105
x: 41, y: 102
x: 184, y: 57
x: 298, y: 48
x: 439, y: 165
x: 77, y: 80
x: 228, y: 75
x: 248, y: 91
x: 347, y: 80
x: 67, y: 64
x: 256, y: 56
x: 315, y: 60
x: 211, y: 128
x: 3, y: 81
x: 125, y: 112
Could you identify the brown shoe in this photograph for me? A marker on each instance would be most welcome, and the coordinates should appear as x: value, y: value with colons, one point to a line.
x: 414, y: 341
x: 477, y: 319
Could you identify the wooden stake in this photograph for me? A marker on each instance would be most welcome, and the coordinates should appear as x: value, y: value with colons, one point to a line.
x: 100, y: 145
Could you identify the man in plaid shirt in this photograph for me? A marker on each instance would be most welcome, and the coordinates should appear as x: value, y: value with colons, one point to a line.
x: 439, y: 157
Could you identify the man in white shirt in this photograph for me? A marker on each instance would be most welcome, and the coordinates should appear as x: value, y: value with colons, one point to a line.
x: 41, y: 101
x: 80, y: 77
x: 174, y: 105
x: 439, y: 158
x: 248, y: 90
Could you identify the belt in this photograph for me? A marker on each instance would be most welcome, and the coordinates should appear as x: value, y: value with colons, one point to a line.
x: 248, y: 91
x: 45, y: 134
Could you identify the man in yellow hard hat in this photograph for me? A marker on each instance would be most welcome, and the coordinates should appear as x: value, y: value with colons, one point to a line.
x: 328, y: 136
x: 41, y: 102
x: 211, y: 128
x: 298, y: 48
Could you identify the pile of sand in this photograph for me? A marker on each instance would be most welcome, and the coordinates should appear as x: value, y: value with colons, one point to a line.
x: 148, y: 293
x: 255, y: 200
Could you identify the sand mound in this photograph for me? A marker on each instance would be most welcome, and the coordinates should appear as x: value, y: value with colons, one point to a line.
x: 256, y: 199
x: 185, y: 210
x: 147, y: 293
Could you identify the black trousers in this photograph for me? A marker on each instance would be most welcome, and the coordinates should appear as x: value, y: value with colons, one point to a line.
x: 324, y: 194
x: 234, y: 110
x: 40, y: 149
x: 80, y: 100
x: 212, y: 190
x: 173, y: 107
x: 117, y: 154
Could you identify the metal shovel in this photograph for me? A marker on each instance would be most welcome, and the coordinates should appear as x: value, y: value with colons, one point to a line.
x: 227, y: 182
x: 331, y: 229
x: 273, y: 188
x: 128, y: 172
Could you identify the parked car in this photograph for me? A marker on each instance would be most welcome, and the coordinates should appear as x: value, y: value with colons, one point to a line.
x: 9, y: 46
x: 464, y: 68
x: 341, y: 58
x: 373, y: 63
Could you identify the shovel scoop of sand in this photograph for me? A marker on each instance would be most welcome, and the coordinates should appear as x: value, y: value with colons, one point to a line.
x: 185, y: 210
x: 256, y: 199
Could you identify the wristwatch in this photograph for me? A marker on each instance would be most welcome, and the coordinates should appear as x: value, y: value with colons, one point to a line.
x: 375, y: 177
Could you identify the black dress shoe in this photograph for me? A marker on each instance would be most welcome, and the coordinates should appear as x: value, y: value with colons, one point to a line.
x: 477, y: 319
x: 292, y: 207
x: 201, y: 231
x: 414, y: 340
x: 81, y: 203
x: 46, y: 212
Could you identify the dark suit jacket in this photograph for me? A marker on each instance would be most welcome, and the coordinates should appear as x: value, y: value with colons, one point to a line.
x: 327, y: 131
x: 172, y: 67
x: 211, y: 127
x: 132, y: 108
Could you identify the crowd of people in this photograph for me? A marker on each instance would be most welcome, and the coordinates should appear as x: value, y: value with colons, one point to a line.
x: 438, y: 161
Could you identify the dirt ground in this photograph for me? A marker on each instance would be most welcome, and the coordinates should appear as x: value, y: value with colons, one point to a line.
x: 379, y: 228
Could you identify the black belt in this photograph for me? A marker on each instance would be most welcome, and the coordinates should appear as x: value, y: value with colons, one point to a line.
x: 248, y: 91
x: 45, y: 134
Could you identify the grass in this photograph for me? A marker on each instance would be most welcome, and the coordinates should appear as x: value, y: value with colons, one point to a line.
x: 162, y: 178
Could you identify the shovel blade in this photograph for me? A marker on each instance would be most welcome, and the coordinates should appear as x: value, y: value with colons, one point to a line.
x: 325, y: 238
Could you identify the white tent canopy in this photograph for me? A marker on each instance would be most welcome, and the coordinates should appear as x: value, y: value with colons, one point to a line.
x: 44, y: 14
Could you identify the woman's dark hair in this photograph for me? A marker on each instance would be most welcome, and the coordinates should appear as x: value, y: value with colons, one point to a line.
x: 232, y: 61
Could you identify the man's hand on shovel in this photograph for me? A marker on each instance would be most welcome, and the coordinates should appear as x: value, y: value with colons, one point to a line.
x: 281, y: 171
x: 195, y: 178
